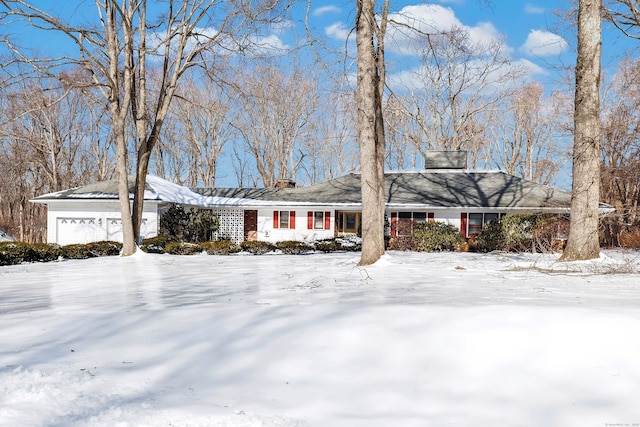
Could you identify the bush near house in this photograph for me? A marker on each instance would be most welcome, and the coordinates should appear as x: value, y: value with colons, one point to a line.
x: 156, y: 245
x: 12, y: 253
x: 437, y: 236
x: 182, y: 248
x: 220, y: 247
x: 191, y: 225
x: 524, y: 233
x: 293, y: 247
x: 257, y: 247
x: 91, y: 250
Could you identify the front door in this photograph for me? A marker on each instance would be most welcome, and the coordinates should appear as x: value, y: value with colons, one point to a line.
x: 348, y: 223
x: 250, y: 225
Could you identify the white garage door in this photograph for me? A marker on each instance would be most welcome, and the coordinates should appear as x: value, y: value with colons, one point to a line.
x: 76, y: 230
x: 114, y: 229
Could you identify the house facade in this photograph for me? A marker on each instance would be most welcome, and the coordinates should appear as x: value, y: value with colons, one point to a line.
x: 464, y: 198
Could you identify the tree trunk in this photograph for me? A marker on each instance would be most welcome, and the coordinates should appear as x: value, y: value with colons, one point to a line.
x: 583, y: 242
x: 370, y: 134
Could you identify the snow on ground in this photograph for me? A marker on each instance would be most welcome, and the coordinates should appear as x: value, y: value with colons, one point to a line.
x: 445, y: 339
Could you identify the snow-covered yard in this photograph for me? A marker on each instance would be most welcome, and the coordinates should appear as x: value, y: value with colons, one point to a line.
x: 418, y: 339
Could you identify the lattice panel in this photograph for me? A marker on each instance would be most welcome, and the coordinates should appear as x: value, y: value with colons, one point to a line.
x: 231, y: 224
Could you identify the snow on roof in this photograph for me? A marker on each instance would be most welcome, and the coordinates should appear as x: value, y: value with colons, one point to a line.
x: 156, y: 188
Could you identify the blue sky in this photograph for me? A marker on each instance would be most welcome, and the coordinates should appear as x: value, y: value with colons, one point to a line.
x: 528, y: 30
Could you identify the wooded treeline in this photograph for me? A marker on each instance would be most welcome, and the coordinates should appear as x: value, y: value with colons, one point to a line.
x: 251, y: 121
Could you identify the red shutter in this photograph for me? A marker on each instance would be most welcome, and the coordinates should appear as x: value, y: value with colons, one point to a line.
x: 292, y: 219
x: 463, y: 223
x: 327, y: 220
x: 276, y: 222
x: 431, y: 216
x: 394, y: 224
x: 309, y: 220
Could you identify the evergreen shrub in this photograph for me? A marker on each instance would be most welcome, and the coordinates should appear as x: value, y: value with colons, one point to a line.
x: 293, y: 247
x: 45, y: 252
x: 181, y: 248
x: 156, y: 245
x: 436, y: 236
x: 77, y: 251
x: 221, y: 247
x: 513, y: 233
x: 12, y: 253
x: 257, y: 247
x: 105, y: 248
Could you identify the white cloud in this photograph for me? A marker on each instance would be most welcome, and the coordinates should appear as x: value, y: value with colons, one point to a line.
x: 433, y: 18
x: 326, y: 9
x: 544, y: 43
x: 532, y: 9
x: 337, y: 31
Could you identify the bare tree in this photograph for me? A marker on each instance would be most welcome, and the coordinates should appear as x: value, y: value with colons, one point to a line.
x: 525, y: 134
x: 117, y: 52
x: 274, y: 118
x: 583, y: 242
x: 370, y: 32
x: 196, y: 131
x: 455, y: 93
x: 331, y: 149
x: 46, y: 141
x: 625, y: 15
x: 620, y: 150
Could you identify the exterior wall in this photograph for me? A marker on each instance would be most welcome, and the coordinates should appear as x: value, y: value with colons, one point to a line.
x: 85, y: 221
x: 301, y: 232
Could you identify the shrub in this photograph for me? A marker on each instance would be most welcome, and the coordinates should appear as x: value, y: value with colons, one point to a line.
x: 105, y: 248
x: 257, y: 247
x: 338, y: 244
x: 202, y: 224
x: 181, y: 248
x: 521, y: 233
x: 491, y: 237
x: 328, y: 245
x: 222, y: 247
x: 156, y: 245
x: 174, y: 222
x: 12, y: 253
x: 45, y: 252
x: 434, y: 236
x: 193, y: 225
x: 293, y: 247
x: 76, y: 251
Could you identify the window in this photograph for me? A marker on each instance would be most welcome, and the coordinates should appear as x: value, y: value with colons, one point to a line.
x: 477, y: 220
x: 475, y: 223
x: 403, y: 223
x: 284, y: 219
x: 318, y: 220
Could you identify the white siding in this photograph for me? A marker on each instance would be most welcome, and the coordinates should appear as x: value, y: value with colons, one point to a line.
x: 268, y: 233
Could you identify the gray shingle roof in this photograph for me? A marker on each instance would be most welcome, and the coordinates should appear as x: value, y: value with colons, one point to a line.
x: 428, y: 188
x: 454, y: 188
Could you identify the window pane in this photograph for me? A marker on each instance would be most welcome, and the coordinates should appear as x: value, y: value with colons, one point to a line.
x: 284, y: 219
x: 318, y: 220
x: 351, y: 221
x: 475, y: 223
x: 404, y: 215
x: 419, y: 216
x: 488, y: 217
x: 475, y: 219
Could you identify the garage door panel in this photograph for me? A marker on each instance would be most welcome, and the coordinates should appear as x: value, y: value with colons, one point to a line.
x: 76, y: 230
